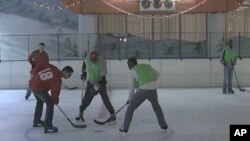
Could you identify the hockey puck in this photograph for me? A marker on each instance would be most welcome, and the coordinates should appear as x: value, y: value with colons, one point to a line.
x: 98, y: 131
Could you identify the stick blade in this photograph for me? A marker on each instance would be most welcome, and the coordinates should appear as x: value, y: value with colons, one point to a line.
x: 76, y: 125
x: 100, y: 122
x: 73, y: 88
x: 80, y: 126
x: 243, y: 90
x: 70, y: 88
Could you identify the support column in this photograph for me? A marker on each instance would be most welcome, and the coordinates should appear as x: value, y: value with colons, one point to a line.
x: 216, y: 32
x: 88, y: 32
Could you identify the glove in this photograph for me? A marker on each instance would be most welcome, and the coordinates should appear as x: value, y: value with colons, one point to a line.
x: 32, y: 64
x: 55, y: 100
x: 127, y: 102
x: 102, y: 81
x: 83, y: 76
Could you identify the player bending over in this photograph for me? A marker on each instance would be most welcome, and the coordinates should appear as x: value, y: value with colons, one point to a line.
x: 45, y: 80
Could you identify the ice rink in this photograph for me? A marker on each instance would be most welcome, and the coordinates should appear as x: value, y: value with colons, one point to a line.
x: 192, y: 115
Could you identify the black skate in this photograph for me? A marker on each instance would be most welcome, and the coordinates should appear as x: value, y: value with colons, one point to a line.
x: 38, y: 124
x: 164, y: 128
x: 80, y: 116
x: 122, y: 132
x: 230, y: 91
x: 51, y: 129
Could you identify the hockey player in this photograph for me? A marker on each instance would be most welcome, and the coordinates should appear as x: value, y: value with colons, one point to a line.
x: 228, y: 60
x: 143, y: 77
x: 38, y: 59
x: 40, y: 83
x: 95, y: 71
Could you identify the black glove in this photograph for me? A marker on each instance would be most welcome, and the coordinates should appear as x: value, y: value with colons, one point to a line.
x: 83, y: 66
x: 83, y: 76
x: 55, y: 100
x: 32, y: 64
x: 127, y: 102
x: 103, y: 81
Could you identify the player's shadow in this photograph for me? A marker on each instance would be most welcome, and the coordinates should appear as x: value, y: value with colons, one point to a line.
x: 27, y: 133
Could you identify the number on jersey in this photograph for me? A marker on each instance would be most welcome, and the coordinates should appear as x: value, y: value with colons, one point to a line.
x: 46, y: 74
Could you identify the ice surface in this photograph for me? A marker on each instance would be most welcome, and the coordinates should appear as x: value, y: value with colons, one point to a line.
x: 192, y: 115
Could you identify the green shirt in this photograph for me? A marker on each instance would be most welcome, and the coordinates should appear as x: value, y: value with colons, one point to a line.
x: 228, y: 56
x: 145, y: 74
x: 95, y: 71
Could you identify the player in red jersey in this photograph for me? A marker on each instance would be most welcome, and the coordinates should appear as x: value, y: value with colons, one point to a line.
x: 38, y: 60
x: 40, y: 83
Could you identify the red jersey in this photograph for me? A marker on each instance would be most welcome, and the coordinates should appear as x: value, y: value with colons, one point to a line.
x: 47, y: 79
x: 40, y: 60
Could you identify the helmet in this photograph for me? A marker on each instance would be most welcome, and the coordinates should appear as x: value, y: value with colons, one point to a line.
x: 94, y: 56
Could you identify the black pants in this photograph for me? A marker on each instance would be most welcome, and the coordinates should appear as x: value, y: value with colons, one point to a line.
x: 90, y: 93
x: 28, y: 93
x: 139, y: 97
x: 43, y: 97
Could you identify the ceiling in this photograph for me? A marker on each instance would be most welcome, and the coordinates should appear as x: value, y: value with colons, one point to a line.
x: 132, y: 6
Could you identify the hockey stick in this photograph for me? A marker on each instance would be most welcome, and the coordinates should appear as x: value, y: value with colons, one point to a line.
x: 70, y: 88
x: 83, y: 78
x: 74, y: 125
x: 243, y: 90
x: 80, y: 107
x: 78, y: 118
x: 107, y: 120
x: 82, y: 90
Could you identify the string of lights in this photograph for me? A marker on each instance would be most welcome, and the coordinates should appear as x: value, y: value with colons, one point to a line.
x: 155, y: 17
x: 73, y: 4
x: 51, y: 7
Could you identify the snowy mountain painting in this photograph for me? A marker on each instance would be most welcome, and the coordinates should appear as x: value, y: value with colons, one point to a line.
x: 112, y: 47
x: 23, y: 26
x: 55, y: 18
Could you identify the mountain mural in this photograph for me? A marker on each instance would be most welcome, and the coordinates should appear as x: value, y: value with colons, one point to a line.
x: 25, y: 8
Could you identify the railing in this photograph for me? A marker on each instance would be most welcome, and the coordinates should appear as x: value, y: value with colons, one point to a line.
x: 121, y: 46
